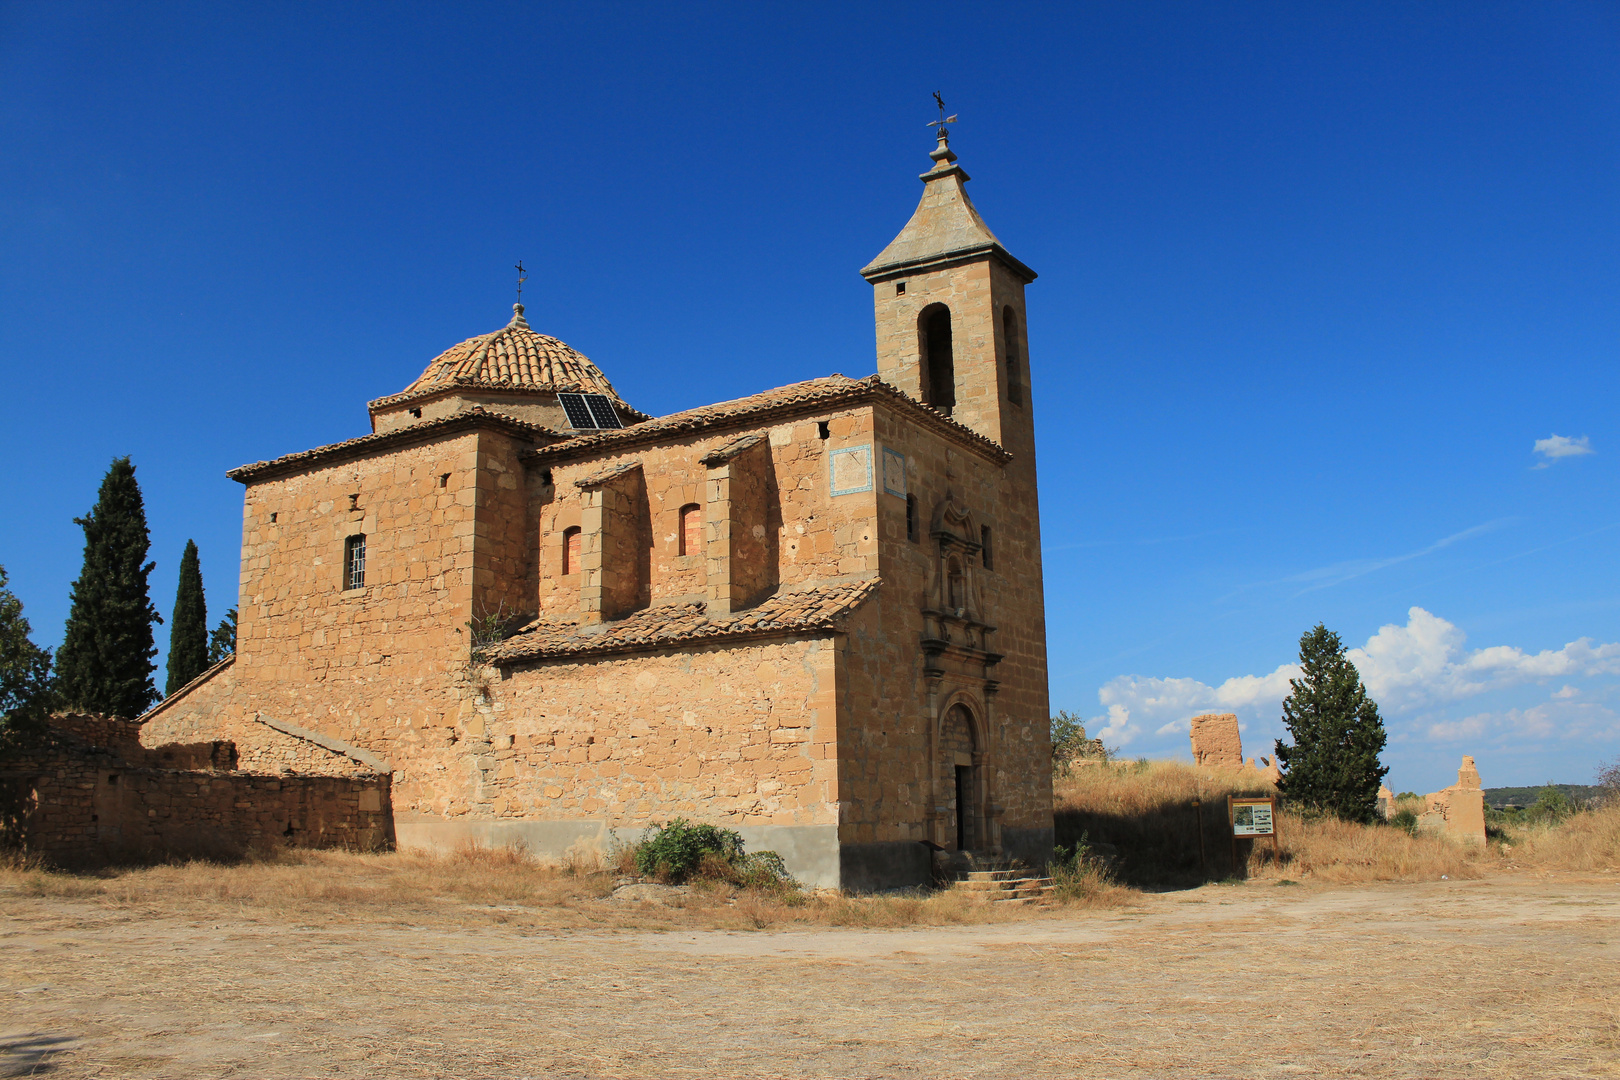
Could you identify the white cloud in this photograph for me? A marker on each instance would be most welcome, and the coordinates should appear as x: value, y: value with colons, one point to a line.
x: 1542, y: 723
x: 1422, y: 663
x: 1562, y: 446
x: 1171, y: 703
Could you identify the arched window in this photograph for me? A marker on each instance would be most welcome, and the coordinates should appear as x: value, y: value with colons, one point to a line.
x: 689, y: 540
x: 938, y: 364
x: 1015, y: 364
x: 913, y: 526
x: 570, y: 551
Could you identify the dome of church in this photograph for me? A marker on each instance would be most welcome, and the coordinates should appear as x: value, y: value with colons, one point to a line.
x: 514, y: 357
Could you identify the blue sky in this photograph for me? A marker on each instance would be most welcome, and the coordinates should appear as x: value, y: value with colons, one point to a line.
x: 1316, y: 281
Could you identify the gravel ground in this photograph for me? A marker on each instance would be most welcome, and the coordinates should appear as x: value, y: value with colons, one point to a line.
x: 1504, y: 977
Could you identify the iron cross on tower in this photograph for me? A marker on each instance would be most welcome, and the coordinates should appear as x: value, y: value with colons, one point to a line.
x: 943, y: 119
x: 522, y: 277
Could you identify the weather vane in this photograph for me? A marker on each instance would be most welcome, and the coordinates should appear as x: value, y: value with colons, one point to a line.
x: 943, y: 119
x: 523, y: 276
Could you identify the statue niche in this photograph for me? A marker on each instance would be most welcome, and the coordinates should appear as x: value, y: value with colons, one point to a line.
x: 953, y: 601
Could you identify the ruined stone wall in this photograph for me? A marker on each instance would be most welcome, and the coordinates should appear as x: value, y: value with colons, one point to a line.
x: 85, y: 804
x: 1216, y: 740
x: 739, y: 735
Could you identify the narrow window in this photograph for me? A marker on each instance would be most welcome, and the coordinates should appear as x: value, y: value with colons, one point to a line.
x: 417, y: 413
x: 984, y: 548
x: 689, y: 540
x: 824, y: 430
x: 354, y: 502
x: 912, y: 532
x: 444, y: 479
x: 570, y: 552
x: 1015, y: 364
x: 354, y: 562
x: 899, y: 288
x: 938, y: 373
x: 272, y: 517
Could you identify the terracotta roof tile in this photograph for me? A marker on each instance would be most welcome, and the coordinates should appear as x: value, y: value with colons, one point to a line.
x: 514, y: 357
x: 612, y: 472
x: 783, y: 615
x: 816, y: 394
x: 378, y: 440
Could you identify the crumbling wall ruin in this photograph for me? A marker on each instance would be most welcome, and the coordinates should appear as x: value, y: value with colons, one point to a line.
x: 1216, y: 741
x: 1459, y: 810
x: 88, y: 792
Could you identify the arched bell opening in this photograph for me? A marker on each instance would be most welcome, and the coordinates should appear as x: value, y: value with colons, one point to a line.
x: 937, y: 357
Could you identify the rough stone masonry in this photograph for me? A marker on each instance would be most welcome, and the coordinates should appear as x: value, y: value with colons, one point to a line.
x: 813, y: 613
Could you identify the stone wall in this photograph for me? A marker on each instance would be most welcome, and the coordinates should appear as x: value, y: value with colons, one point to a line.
x: 78, y: 803
x: 1459, y: 810
x: 1216, y: 740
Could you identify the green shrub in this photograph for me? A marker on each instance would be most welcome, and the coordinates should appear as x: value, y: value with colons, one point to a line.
x: 680, y: 851
x: 1405, y: 819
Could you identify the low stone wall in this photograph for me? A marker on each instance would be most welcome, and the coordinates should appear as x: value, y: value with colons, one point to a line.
x: 71, y: 801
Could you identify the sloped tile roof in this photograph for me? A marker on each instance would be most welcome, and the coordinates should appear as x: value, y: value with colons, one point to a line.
x: 945, y: 226
x: 766, y: 407
x: 382, y: 440
x: 790, y: 614
x: 514, y: 357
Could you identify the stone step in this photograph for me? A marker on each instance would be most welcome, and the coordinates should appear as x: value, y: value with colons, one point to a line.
x: 985, y: 875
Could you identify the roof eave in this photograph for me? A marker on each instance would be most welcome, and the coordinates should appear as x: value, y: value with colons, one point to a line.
x: 367, y: 445
x: 875, y: 272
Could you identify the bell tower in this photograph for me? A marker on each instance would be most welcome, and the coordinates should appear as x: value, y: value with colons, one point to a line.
x: 949, y: 306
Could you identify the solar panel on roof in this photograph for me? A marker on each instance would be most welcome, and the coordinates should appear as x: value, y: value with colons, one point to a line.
x: 579, y: 414
x: 602, y: 411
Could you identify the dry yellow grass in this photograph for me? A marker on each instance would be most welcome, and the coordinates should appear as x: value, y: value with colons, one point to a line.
x: 1147, y: 813
x: 478, y: 885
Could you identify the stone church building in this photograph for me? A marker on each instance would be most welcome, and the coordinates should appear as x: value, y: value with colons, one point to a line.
x: 813, y: 614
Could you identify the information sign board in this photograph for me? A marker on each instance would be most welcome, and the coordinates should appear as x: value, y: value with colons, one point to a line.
x: 1253, y: 817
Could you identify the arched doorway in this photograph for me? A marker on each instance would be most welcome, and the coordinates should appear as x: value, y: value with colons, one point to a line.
x: 960, y: 775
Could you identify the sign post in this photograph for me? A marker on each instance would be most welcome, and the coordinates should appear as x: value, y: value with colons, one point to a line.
x: 1252, y: 816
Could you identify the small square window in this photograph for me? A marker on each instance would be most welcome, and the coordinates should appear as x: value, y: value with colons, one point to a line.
x: 899, y: 288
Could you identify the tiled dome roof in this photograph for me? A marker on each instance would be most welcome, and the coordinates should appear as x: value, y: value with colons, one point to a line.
x: 513, y: 357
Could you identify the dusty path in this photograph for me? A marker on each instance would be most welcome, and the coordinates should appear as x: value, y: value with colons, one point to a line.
x: 1506, y: 977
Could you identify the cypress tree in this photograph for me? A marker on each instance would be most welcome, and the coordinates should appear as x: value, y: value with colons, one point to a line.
x: 222, y: 642
x: 105, y: 662
x: 25, y: 671
x: 1333, y: 765
x: 188, y: 627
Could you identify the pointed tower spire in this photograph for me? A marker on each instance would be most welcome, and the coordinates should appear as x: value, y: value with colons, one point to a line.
x: 945, y: 226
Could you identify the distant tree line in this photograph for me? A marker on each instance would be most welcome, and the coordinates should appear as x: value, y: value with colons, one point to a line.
x: 107, y: 659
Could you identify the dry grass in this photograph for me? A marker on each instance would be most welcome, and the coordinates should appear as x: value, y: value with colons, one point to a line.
x: 1147, y: 814
x: 483, y: 885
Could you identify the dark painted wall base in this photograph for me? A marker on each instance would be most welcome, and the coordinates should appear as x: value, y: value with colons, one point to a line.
x: 1033, y: 847
x: 890, y: 864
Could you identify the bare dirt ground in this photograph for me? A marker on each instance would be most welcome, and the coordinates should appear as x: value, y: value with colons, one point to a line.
x: 1515, y: 976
